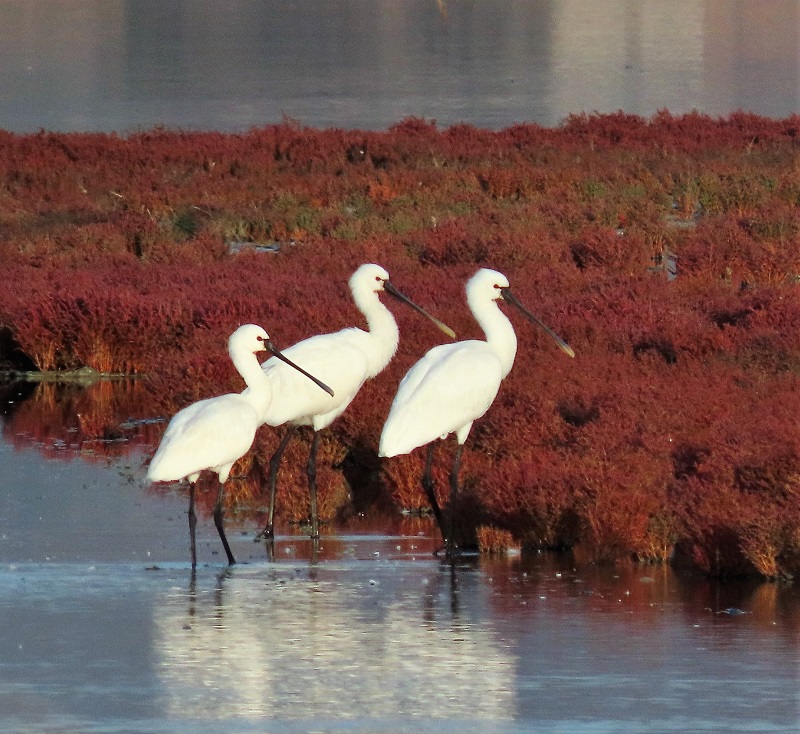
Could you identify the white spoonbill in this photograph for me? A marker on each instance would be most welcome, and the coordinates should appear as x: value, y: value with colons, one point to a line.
x: 454, y: 384
x: 345, y: 359
x: 213, y: 434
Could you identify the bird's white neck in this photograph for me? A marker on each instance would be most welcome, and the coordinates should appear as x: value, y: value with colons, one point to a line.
x: 383, y: 334
x: 499, y: 332
x: 259, y: 390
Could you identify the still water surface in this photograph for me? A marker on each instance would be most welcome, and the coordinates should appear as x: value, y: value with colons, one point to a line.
x: 199, y: 64
x: 106, y: 629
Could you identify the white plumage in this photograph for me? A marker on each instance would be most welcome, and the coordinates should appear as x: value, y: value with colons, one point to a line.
x: 464, y: 377
x: 455, y: 384
x: 210, y: 435
x: 345, y: 360
x: 213, y: 434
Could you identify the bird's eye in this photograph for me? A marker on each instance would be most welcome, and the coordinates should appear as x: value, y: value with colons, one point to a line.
x: 498, y: 286
x: 377, y: 278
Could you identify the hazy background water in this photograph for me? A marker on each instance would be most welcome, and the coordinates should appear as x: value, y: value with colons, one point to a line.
x: 127, y: 64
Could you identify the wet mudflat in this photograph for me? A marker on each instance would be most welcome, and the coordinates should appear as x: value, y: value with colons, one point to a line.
x: 106, y: 628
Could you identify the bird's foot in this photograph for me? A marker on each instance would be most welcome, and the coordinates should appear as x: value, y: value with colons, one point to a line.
x: 449, y: 550
x: 453, y: 551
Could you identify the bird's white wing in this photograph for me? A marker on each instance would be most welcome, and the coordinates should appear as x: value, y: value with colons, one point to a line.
x: 335, y: 359
x: 451, y: 386
x: 210, y: 434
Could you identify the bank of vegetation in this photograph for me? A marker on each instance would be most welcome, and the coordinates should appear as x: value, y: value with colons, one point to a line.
x: 665, y: 251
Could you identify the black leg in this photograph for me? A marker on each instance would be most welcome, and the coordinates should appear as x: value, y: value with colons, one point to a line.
x: 269, y: 545
x: 192, y: 525
x: 311, y: 470
x: 218, y: 511
x: 430, y: 491
x: 274, y: 465
x: 451, y: 545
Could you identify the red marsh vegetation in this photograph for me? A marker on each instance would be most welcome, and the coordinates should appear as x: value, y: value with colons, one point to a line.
x: 666, y: 251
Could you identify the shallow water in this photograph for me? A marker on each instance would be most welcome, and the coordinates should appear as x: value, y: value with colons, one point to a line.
x: 107, y: 629
x: 382, y: 644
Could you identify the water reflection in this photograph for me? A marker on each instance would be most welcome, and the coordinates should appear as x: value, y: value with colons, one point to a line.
x: 115, y: 426
x: 317, y: 644
x: 389, y: 644
x: 371, y: 633
x: 501, y: 644
x: 119, y: 65
x: 96, y: 420
x: 645, y: 594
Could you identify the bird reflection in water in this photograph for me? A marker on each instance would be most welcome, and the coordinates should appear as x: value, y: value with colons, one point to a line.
x: 309, y: 642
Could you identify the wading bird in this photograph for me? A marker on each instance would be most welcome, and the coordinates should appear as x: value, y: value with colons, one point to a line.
x: 213, y: 434
x: 345, y: 359
x: 454, y: 384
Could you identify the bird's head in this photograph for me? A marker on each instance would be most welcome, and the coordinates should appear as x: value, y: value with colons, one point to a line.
x: 489, y: 284
x: 486, y: 284
x: 249, y: 337
x: 369, y: 277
